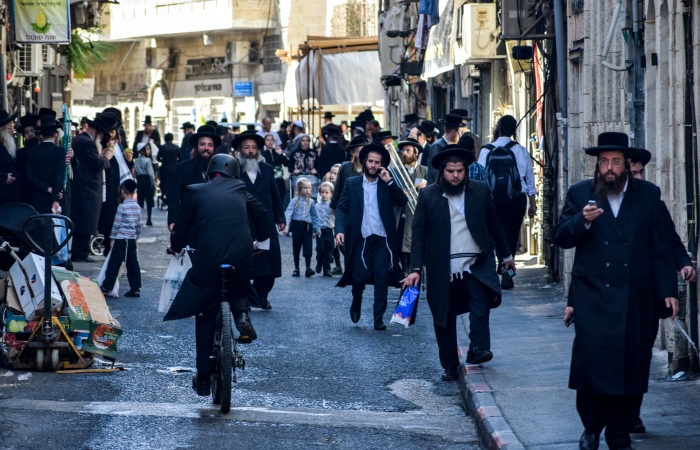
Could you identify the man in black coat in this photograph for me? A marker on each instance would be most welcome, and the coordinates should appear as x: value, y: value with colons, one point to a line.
x: 453, y: 130
x: 168, y: 156
x: 149, y: 133
x: 622, y: 277
x: 348, y: 169
x: 259, y: 178
x: 192, y: 171
x: 186, y: 147
x: 217, y: 213
x: 456, y: 219
x: 46, y: 168
x: 86, y: 199
x: 366, y: 225
x: 11, y: 180
x: 331, y: 153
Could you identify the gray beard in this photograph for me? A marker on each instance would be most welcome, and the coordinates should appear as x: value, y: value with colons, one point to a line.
x: 249, y: 164
x: 9, y: 142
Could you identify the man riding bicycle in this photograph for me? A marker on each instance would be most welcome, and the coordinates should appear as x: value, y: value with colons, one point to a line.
x: 224, y: 221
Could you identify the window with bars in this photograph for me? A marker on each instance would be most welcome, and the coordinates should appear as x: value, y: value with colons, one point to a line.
x: 270, y: 61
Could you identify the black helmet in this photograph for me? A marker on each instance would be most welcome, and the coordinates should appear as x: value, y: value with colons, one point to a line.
x: 224, y: 164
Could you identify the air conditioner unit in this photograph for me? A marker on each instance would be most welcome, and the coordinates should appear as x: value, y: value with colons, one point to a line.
x: 242, y: 53
x: 517, y: 17
x: 29, y: 60
x: 48, y: 56
x: 479, y: 39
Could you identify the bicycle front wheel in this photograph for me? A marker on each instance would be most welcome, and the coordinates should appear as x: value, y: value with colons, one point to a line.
x: 225, y: 359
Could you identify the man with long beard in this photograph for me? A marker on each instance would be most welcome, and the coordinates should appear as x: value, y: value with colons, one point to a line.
x: 366, y: 225
x: 10, y: 179
x: 259, y: 178
x: 456, y: 219
x: 192, y: 170
x: 410, y: 148
x: 622, y: 277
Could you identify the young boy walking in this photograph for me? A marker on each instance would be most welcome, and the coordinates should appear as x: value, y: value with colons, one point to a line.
x: 125, y: 231
x: 326, y: 222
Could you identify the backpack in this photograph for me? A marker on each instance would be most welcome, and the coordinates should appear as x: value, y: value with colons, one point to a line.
x: 502, y: 173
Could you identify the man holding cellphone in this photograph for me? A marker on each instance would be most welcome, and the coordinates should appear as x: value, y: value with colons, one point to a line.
x: 621, y: 280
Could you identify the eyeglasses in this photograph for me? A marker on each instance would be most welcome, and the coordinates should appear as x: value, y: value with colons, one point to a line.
x: 615, y: 162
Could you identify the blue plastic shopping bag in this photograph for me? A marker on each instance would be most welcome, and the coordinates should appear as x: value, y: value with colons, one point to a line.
x: 405, y: 312
x: 61, y: 234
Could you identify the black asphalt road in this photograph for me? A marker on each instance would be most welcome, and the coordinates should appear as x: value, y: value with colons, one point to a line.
x: 312, y: 379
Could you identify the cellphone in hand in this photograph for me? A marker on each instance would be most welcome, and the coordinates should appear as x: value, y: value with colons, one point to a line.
x: 511, y: 272
x: 592, y: 203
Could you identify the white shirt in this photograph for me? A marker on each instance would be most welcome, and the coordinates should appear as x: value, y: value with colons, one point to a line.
x: 522, y: 159
x: 252, y: 175
x: 278, y: 141
x: 616, y: 200
x: 371, y: 220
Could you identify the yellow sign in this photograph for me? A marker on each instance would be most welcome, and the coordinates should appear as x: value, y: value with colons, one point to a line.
x: 41, y: 21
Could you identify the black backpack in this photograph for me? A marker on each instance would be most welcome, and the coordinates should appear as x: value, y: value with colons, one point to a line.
x: 502, y: 173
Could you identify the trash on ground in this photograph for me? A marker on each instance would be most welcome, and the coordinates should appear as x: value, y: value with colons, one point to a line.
x: 25, y: 376
x: 6, y: 373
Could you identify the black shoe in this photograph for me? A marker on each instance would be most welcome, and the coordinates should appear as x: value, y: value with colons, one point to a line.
x: 68, y: 265
x: 327, y: 273
x: 354, y: 316
x: 104, y: 291
x: 149, y: 223
x: 245, y: 327
x: 450, y: 375
x: 379, y: 326
x: 638, y: 426
x: 475, y: 355
x: 507, y: 281
x: 318, y: 268
x: 309, y: 273
x: 295, y: 273
x: 86, y: 260
x: 337, y: 271
x: 133, y: 293
x: 202, y: 388
x: 265, y: 303
x: 588, y: 441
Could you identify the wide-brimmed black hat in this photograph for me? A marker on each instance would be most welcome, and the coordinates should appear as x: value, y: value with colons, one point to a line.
x: 284, y: 124
x: 212, y: 123
x: 49, y: 124
x: 27, y: 120
x: 187, y: 125
x: 410, y: 118
x: 5, y: 117
x: 147, y: 120
x: 412, y: 142
x: 332, y: 130
x: 644, y: 156
x: 248, y: 134
x: 463, y: 113
x: 46, y: 112
x: 358, y: 141
x: 383, y: 135
x: 429, y: 127
x: 105, y: 121
x: 205, y: 131
x: 328, y: 115
x: 375, y: 147
x: 453, y: 121
x: 453, y: 150
x: 221, y: 130
x: 114, y: 111
x: 612, y: 141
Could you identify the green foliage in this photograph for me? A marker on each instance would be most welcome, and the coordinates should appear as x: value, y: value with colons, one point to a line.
x: 83, y: 54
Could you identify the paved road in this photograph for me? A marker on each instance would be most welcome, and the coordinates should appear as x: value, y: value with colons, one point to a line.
x: 313, y: 378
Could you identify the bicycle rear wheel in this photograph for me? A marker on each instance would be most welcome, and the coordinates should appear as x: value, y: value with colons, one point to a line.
x: 225, y: 359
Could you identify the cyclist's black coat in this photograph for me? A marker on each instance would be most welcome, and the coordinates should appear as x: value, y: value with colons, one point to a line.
x: 217, y: 214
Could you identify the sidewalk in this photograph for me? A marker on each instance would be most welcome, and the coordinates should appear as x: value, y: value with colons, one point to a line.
x: 529, y: 376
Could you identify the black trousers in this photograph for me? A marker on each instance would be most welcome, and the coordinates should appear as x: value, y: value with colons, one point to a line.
x: 263, y: 285
x: 511, y: 217
x: 205, y: 325
x: 336, y: 256
x: 468, y: 289
x: 372, y: 259
x: 144, y: 191
x: 302, y: 234
x: 324, y: 248
x: 615, y: 413
x: 81, y: 246
x: 123, y: 250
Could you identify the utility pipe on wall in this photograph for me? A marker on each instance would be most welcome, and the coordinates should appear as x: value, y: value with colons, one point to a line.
x: 560, y: 42
x: 608, y: 40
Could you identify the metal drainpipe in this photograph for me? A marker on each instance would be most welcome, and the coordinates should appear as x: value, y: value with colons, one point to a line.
x: 560, y: 42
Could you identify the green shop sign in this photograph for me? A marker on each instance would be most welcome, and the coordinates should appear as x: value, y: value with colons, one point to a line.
x: 41, y: 21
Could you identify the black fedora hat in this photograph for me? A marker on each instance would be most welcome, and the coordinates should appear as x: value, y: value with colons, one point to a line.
x: 644, y: 156
x: 248, y: 134
x: 205, y: 131
x: 49, y: 124
x: 463, y: 113
x: 187, y: 125
x: 453, y: 150
x: 332, y: 130
x: 375, y: 147
x: 26, y: 121
x: 147, y: 120
x: 212, y: 123
x: 429, y: 127
x: 46, y: 112
x: 328, y: 115
x: 5, y: 117
x: 453, y: 121
x: 385, y: 134
x: 105, y: 121
x: 358, y: 141
x: 612, y: 141
x: 412, y: 142
x: 410, y: 118
x: 114, y: 111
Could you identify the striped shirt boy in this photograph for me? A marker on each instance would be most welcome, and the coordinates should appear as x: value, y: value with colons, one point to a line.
x: 127, y: 223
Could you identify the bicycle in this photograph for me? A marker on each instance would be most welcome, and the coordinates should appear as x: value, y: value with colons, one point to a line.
x: 225, y: 351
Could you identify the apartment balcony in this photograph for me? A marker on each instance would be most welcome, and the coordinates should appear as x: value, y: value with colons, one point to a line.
x: 153, y: 18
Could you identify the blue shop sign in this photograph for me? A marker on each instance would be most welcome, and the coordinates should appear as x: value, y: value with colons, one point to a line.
x: 243, y: 89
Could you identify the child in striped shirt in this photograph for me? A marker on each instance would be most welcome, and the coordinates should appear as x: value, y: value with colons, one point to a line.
x: 125, y: 231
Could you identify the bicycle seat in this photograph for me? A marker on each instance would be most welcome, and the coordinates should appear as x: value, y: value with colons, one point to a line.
x: 227, y: 268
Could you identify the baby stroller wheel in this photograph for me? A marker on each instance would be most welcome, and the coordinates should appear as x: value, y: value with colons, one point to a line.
x: 97, y: 246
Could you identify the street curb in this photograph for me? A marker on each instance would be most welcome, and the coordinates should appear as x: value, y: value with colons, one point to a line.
x: 478, y: 402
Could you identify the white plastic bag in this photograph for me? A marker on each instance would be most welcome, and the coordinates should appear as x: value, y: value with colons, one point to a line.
x: 174, y: 276
x: 101, y: 277
x: 60, y: 232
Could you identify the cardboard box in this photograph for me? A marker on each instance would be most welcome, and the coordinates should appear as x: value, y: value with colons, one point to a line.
x: 11, y: 296
x: 30, y: 289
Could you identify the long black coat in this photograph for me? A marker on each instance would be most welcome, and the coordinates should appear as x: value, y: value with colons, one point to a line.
x: 46, y: 168
x: 678, y: 251
x: 268, y: 263
x: 139, y: 136
x: 433, y: 150
x: 86, y: 200
x: 331, y: 154
x: 187, y: 173
x: 347, y: 170
x: 111, y: 203
x: 430, y: 246
x: 622, y: 271
x: 186, y: 147
x: 348, y: 220
x: 217, y: 213
x: 9, y: 192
